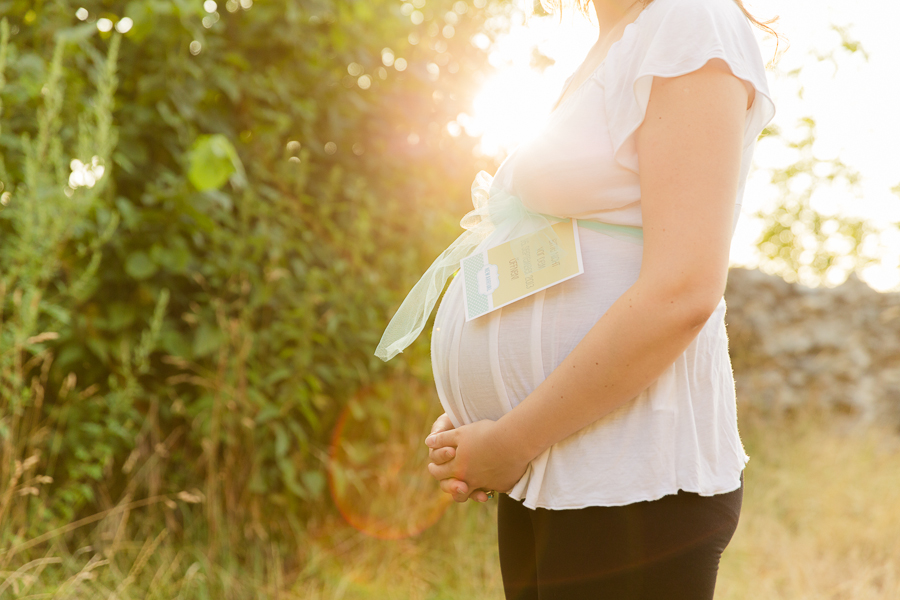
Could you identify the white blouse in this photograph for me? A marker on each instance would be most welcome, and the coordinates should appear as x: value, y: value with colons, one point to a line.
x: 681, y: 433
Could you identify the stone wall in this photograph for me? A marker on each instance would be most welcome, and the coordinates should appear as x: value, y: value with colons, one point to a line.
x: 837, y: 348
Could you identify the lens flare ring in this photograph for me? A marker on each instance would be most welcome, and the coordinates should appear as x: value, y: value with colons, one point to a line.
x: 377, y: 473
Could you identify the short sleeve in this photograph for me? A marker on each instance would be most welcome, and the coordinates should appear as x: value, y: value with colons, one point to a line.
x: 676, y: 37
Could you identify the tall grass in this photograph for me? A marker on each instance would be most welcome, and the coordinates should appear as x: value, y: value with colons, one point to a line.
x: 44, y: 211
x: 819, y: 521
x: 821, y: 514
x: 49, y: 201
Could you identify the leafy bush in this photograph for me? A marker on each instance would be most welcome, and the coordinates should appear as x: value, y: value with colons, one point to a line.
x: 188, y: 306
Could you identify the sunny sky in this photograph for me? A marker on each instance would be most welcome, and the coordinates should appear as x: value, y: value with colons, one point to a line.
x: 853, y: 101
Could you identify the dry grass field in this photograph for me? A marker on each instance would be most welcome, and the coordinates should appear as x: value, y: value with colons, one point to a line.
x: 821, y: 518
x: 820, y: 521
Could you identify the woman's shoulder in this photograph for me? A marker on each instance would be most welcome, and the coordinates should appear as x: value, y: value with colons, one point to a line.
x: 695, y: 9
x: 673, y: 33
x: 692, y: 22
x: 673, y: 38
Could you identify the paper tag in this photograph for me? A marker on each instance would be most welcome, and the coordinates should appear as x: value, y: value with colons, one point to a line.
x: 520, y: 267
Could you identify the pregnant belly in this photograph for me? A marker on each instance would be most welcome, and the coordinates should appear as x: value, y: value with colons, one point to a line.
x: 485, y: 367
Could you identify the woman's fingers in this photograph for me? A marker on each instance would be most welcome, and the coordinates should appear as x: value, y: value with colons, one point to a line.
x: 457, y: 489
x: 441, y: 472
x: 443, y: 438
x: 441, y: 450
x: 441, y: 455
x: 442, y: 423
x: 478, y: 496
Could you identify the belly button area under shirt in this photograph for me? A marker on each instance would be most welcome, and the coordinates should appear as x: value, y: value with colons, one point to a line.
x: 535, y: 356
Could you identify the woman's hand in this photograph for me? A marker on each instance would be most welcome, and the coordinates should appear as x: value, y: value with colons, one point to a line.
x: 480, y: 459
x: 438, y: 456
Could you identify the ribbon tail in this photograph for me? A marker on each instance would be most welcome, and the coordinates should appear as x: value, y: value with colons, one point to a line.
x: 409, y: 320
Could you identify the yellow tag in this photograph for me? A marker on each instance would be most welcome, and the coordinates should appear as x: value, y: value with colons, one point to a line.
x: 520, y: 267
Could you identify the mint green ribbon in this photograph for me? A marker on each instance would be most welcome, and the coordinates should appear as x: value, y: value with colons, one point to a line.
x: 498, y: 217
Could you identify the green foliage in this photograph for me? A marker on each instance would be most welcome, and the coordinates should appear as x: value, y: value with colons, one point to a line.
x: 189, y: 305
x: 802, y: 240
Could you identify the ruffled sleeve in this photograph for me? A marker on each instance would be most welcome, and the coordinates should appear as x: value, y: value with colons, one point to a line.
x: 674, y: 38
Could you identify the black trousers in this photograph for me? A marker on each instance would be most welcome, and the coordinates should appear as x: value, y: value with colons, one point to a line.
x: 666, y: 549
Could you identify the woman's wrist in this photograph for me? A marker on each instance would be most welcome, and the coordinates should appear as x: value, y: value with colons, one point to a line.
x: 517, y: 439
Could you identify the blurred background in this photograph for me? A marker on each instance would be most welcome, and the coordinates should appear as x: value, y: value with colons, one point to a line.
x: 209, y: 211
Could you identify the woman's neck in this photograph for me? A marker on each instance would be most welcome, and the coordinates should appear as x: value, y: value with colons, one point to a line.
x: 611, y: 12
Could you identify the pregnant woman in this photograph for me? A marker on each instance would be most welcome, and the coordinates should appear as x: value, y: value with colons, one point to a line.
x: 603, y: 407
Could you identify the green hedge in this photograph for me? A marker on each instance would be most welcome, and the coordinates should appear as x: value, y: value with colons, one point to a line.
x: 209, y: 305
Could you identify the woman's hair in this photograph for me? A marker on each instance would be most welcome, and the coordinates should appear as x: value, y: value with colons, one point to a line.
x: 552, y: 5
